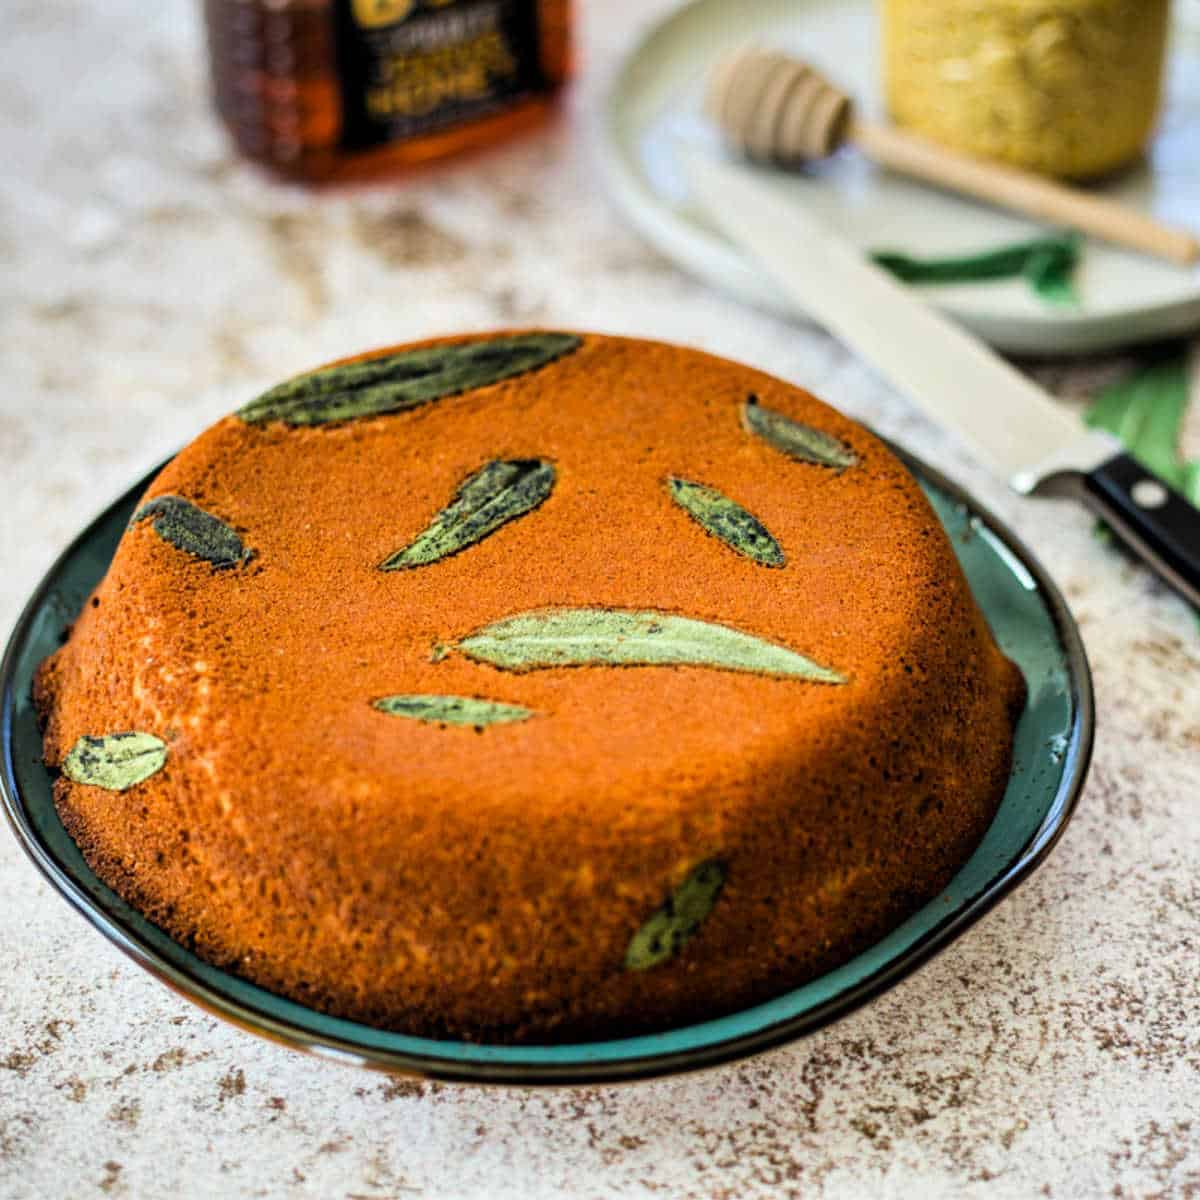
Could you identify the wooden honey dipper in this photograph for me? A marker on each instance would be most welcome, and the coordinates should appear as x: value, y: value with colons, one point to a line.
x: 774, y: 108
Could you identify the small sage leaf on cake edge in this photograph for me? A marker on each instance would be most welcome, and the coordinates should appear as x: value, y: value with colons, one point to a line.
x: 191, y: 529
x: 395, y: 382
x: 572, y: 637
x: 727, y: 520
x: 452, y: 710
x: 499, y: 492
x: 669, y: 926
x: 795, y: 439
x: 116, y: 761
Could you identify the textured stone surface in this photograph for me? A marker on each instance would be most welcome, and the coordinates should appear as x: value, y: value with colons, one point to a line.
x: 150, y: 283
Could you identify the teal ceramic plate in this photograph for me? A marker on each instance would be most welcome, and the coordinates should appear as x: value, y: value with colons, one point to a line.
x: 1053, y: 745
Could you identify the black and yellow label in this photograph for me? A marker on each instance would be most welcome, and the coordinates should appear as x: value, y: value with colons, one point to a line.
x: 371, y: 14
x: 411, y: 67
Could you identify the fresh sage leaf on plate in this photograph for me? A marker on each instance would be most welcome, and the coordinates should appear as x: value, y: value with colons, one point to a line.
x: 1047, y: 264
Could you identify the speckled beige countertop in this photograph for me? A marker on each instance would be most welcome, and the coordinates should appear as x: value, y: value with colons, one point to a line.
x: 149, y: 284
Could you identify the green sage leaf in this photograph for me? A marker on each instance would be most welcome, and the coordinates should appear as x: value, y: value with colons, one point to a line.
x: 1047, y: 264
x: 497, y: 493
x: 405, y: 380
x: 452, y: 710
x: 684, y: 910
x: 1147, y: 410
x: 1050, y: 271
x: 115, y: 761
x: 572, y: 637
x: 191, y: 529
x: 796, y: 440
x: 727, y: 520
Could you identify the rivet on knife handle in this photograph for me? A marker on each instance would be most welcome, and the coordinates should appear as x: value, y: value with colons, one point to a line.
x: 1154, y: 520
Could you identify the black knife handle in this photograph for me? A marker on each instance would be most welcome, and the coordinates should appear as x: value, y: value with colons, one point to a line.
x: 1152, y: 519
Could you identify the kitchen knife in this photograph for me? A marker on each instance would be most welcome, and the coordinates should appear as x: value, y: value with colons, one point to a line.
x: 1038, y: 447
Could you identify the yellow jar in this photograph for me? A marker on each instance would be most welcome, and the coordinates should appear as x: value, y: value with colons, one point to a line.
x: 1063, y: 87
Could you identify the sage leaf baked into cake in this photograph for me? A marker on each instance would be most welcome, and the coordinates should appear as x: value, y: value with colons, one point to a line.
x: 530, y: 687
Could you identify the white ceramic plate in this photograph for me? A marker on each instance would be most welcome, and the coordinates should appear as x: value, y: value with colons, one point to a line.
x: 654, y: 108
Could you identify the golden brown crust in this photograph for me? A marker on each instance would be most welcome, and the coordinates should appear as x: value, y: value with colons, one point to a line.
x: 485, y: 885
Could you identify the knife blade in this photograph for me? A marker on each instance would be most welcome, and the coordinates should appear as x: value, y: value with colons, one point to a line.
x: 1012, y: 425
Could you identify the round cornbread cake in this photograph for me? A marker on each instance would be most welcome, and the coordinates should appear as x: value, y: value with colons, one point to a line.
x: 530, y: 687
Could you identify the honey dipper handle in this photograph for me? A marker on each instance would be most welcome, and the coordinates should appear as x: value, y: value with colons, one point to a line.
x: 1022, y: 191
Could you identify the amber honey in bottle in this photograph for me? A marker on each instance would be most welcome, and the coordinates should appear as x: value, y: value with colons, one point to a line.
x: 321, y: 89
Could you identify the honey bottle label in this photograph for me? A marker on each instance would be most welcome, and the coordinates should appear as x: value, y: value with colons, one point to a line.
x: 411, y: 67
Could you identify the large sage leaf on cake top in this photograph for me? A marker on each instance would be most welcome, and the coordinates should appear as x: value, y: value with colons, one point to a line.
x: 452, y: 710
x: 497, y: 493
x: 195, y: 531
x: 395, y: 382
x: 727, y: 520
x: 115, y: 761
x: 577, y: 637
x: 795, y: 439
x: 662, y: 936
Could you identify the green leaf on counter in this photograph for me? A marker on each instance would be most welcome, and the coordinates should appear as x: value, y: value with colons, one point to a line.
x: 1047, y: 264
x: 115, y: 761
x: 727, y: 520
x: 497, y: 493
x: 452, y: 710
x: 578, y: 637
x: 194, y: 531
x: 395, y: 382
x: 672, y: 924
x: 1146, y: 411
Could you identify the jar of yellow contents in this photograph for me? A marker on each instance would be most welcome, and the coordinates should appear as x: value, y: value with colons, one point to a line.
x: 1063, y: 87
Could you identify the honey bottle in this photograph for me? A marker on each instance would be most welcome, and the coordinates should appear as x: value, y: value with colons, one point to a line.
x: 336, y: 89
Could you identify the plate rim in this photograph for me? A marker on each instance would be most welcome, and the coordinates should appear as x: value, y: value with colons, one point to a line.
x: 721, y: 266
x: 579, y: 1071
